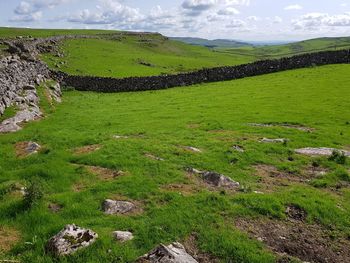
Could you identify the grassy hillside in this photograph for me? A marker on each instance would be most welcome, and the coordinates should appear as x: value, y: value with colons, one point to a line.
x: 174, y: 205
x: 313, y: 45
x: 136, y: 55
x: 10, y: 32
x: 223, y: 43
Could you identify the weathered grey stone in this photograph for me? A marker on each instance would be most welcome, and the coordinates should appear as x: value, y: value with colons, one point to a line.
x: 238, y: 148
x: 173, y: 253
x: 219, y: 180
x: 215, y: 179
x: 279, y: 140
x: 32, y: 148
x: 192, y: 149
x: 112, y: 207
x: 71, y: 239
x: 323, y: 151
x: 28, y: 87
x: 123, y: 236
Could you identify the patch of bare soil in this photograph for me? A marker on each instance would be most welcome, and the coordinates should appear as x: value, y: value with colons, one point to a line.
x: 78, y: 187
x: 55, y: 208
x: 191, y: 247
x: 295, y: 212
x: 309, y: 243
x: 24, y: 149
x: 193, y: 125
x: 270, y: 177
x: 183, y: 189
x: 315, y: 171
x: 8, y: 238
x: 104, y: 173
x: 87, y: 149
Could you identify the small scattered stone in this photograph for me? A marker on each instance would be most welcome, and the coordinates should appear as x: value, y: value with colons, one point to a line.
x: 71, y: 239
x: 173, y: 253
x: 24, y: 149
x: 215, y: 179
x: 153, y: 157
x: 55, y: 208
x: 238, y: 148
x: 192, y: 149
x: 123, y: 236
x: 279, y: 140
x: 194, y: 171
x: 219, y: 180
x: 321, y: 151
x: 120, y: 137
x: 112, y: 207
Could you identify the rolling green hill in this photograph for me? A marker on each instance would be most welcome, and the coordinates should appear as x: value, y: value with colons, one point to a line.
x: 297, y: 48
x: 223, y: 43
x: 136, y: 55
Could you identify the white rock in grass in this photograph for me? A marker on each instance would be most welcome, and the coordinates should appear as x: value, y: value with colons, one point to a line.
x: 279, y: 140
x: 192, y: 149
x: 321, y: 151
x: 123, y: 236
x: 71, y: 239
x: 174, y: 253
x: 112, y: 207
x: 238, y: 148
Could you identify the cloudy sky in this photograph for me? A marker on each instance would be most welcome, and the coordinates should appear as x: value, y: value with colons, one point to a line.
x: 230, y: 19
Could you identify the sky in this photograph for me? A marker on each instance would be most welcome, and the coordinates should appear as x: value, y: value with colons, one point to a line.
x: 250, y: 20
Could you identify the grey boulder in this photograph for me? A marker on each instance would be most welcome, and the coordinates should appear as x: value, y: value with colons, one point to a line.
x: 112, y: 207
x: 71, y: 239
x: 173, y: 253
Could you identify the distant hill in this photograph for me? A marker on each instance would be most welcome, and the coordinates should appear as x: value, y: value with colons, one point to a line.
x: 224, y: 43
x: 291, y: 49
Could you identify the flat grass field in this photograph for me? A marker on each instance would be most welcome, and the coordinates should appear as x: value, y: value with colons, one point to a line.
x: 174, y: 205
x: 138, y: 55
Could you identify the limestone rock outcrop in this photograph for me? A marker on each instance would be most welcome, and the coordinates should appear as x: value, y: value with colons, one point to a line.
x: 173, y: 253
x: 71, y: 239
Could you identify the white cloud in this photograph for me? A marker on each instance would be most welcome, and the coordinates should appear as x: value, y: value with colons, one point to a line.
x: 277, y: 20
x: 315, y: 21
x: 236, y: 23
x: 31, y: 17
x: 31, y: 10
x: 229, y: 11
x: 108, y: 12
x: 196, y: 7
x: 252, y: 18
x: 293, y: 7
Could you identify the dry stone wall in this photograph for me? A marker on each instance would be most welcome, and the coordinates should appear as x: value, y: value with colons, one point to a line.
x: 17, y: 76
x: 102, y: 84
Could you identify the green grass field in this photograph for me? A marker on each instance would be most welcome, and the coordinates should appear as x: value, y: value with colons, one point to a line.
x: 136, y: 56
x: 212, y: 117
x: 313, y: 45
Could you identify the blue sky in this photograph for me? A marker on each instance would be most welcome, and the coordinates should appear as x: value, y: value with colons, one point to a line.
x: 258, y: 20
